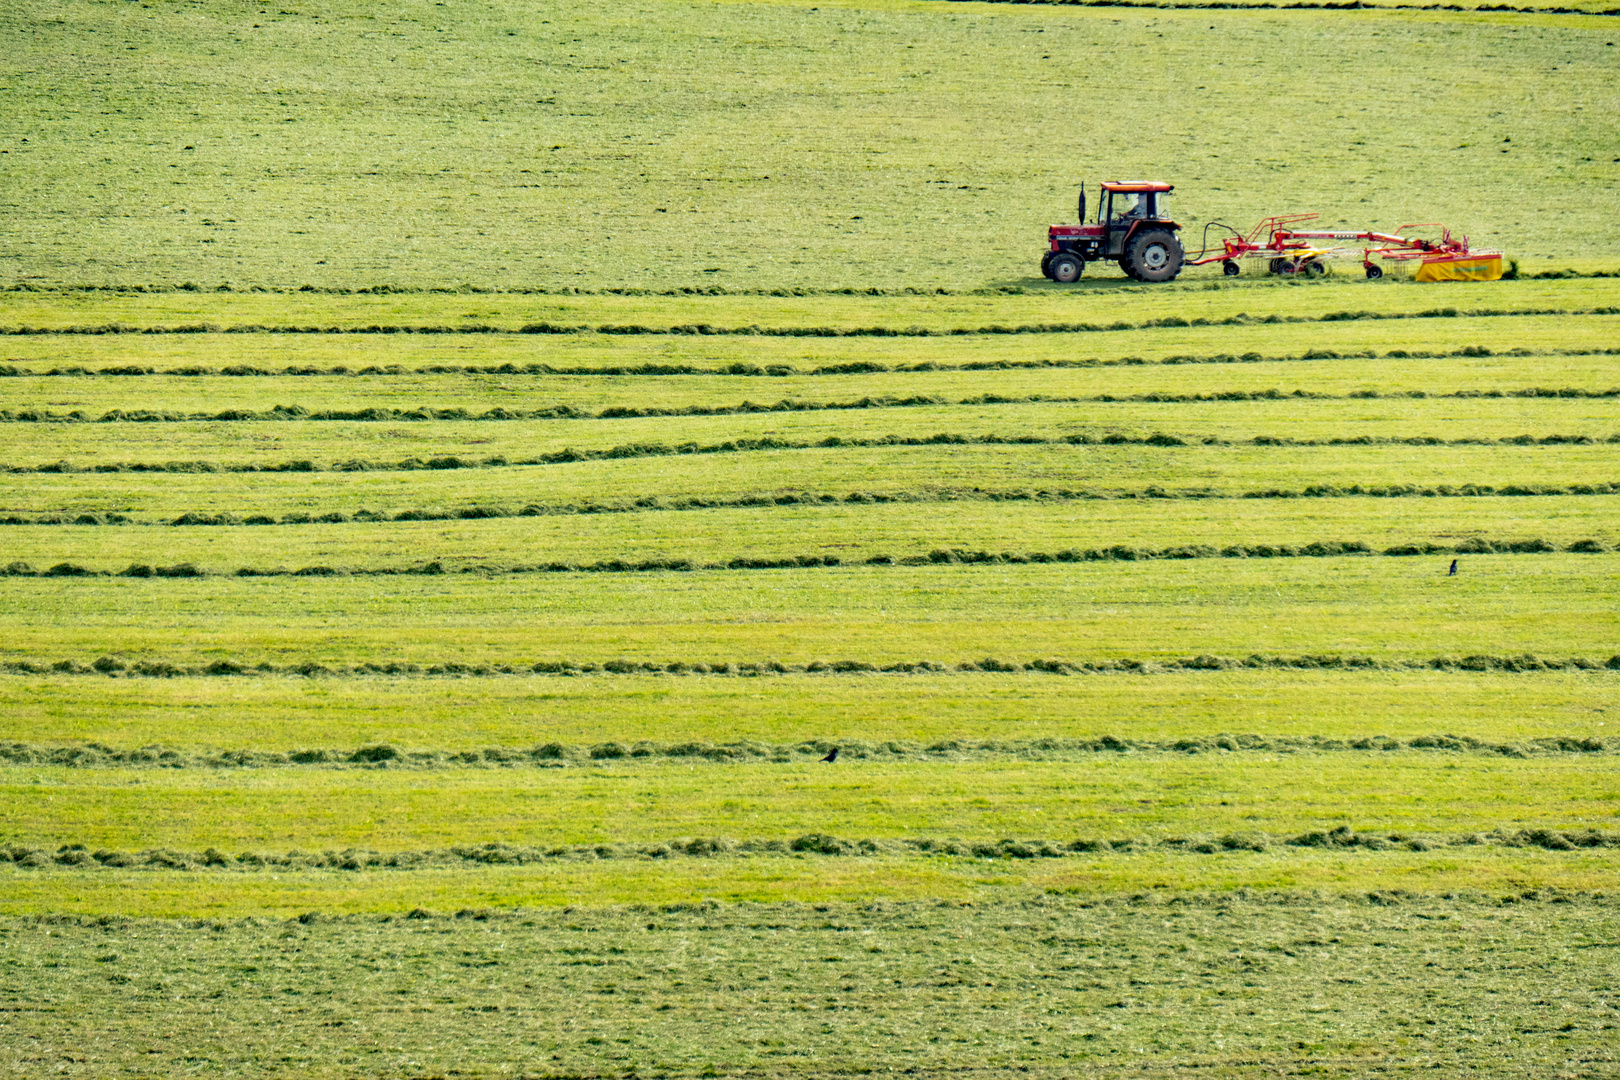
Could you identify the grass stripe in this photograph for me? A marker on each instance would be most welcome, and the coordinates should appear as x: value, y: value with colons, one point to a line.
x: 1464, y: 482
x: 456, y: 715
x: 1387, y: 609
x: 1164, y: 802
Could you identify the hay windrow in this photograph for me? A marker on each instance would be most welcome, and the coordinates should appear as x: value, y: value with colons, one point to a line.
x: 773, y: 500
x: 1341, y: 838
x: 155, y: 288
x: 753, y: 330
x: 147, y: 667
x: 744, y: 369
x: 421, y: 414
x: 941, y: 556
x: 451, y: 462
x: 553, y: 755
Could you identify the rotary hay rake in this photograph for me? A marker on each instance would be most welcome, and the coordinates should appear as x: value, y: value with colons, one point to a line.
x: 1287, y: 248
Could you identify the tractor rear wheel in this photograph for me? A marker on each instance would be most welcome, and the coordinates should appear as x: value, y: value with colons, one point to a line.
x: 1230, y: 268
x: 1065, y: 267
x: 1152, y: 255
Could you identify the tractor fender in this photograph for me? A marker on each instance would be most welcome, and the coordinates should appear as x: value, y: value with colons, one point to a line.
x: 1141, y: 222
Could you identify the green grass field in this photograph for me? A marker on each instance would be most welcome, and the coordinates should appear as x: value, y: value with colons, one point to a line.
x: 1230, y: 986
x: 766, y: 145
x: 462, y: 467
x: 1160, y: 633
x: 1396, y: 609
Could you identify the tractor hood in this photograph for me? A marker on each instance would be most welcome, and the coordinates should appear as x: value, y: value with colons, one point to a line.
x: 1066, y: 232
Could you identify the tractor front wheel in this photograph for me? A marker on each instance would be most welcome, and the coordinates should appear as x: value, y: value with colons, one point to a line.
x: 1046, y: 264
x: 1065, y: 267
x: 1230, y: 268
x: 1152, y: 255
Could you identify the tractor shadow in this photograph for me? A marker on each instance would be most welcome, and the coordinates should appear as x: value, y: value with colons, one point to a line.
x: 1102, y: 283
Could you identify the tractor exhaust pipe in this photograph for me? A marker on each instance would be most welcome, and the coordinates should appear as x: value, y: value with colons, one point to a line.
x: 1082, y: 208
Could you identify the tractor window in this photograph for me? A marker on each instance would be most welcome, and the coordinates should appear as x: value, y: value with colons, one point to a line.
x: 1162, y: 211
x: 1128, y: 205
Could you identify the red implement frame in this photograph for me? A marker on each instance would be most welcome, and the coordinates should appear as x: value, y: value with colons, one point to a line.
x: 1277, y: 242
x: 1276, y: 238
x: 1395, y: 247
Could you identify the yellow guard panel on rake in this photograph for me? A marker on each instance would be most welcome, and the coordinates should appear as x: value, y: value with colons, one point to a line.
x: 1466, y: 268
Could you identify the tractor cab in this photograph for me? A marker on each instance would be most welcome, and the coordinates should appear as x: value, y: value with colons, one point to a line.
x: 1133, y: 227
x: 1136, y: 201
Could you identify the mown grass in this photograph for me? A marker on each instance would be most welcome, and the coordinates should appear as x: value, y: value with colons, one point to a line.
x: 589, y: 883
x: 767, y: 147
x: 1247, y: 301
x: 469, y: 714
x: 1393, y: 611
x: 588, y: 352
x: 854, y: 532
x: 1490, y: 390
x: 1200, y: 443
x: 761, y: 144
x: 1230, y: 471
x: 1145, y: 797
x: 1386, y: 608
x: 1238, y: 987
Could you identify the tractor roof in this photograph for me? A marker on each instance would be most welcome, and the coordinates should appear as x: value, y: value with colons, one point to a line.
x: 1133, y: 186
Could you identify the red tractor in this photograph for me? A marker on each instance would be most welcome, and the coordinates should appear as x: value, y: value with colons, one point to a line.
x: 1141, y: 236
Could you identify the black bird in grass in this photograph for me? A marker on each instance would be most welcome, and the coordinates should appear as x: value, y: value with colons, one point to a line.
x: 1453, y: 571
x: 832, y: 755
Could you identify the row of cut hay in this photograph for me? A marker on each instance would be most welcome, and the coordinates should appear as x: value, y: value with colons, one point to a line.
x: 153, y: 668
x: 745, y: 369
x: 755, y: 330
x: 63, y: 467
x: 99, y: 755
x: 376, y: 414
x: 1341, y: 839
x: 688, y: 503
x: 936, y: 557
x: 469, y: 289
